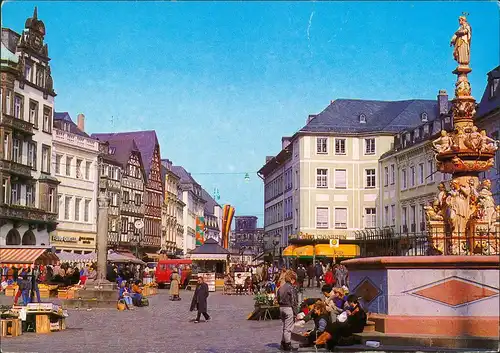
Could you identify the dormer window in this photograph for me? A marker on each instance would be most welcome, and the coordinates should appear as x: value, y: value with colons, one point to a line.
x: 66, y: 127
x: 494, y: 87
x: 362, y: 118
x: 424, y: 117
x: 112, y: 150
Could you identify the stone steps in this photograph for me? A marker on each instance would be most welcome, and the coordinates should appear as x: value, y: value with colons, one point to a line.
x: 430, y: 341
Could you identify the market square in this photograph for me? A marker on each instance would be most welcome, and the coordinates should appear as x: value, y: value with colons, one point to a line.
x: 199, y: 205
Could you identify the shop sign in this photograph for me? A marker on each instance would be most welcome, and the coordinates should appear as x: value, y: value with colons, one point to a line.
x: 65, y: 239
x: 86, y: 240
x: 307, y: 236
x: 209, y: 279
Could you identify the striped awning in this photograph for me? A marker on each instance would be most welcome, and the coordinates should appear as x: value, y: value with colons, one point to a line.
x: 208, y: 257
x: 27, y: 256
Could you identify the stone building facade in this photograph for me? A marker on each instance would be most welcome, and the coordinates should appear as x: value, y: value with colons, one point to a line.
x: 28, y: 193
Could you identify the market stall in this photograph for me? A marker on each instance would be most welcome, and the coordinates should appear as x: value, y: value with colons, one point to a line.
x: 210, y: 260
x: 23, y: 257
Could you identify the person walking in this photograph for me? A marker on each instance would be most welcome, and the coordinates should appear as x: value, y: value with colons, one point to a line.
x: 310, y: 275
x: 318, y: 271
x: 174, y: 285
x: 301, y: 276
x: 287, y: 300
x: 199, y: 301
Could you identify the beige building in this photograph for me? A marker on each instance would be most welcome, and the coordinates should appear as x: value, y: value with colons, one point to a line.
x: 77, y: 170
x: 332, y: 168
x: 172, y: 208
x: 408, y: 178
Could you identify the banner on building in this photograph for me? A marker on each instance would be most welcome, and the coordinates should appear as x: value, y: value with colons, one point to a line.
x: 227, y: 219
x: 200, y: 231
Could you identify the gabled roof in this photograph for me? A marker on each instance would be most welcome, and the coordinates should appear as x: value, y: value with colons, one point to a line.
x: 487, y: 104
x: 120, y: 150
x: 343, y: 116
x: 210, y: 247
x: 146, y: 141
x: 210, y: 203
x: 186, y: 177
x: 63, y: 117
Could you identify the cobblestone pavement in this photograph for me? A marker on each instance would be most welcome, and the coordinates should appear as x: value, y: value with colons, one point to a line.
x: 164, y: 326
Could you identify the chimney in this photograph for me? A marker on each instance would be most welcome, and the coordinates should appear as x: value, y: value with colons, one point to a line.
x: 442, y: 100
x: 309, y: 118
x: 80, y: 122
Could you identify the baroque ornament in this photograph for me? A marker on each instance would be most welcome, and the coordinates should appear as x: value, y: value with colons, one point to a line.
x: 463, y: 219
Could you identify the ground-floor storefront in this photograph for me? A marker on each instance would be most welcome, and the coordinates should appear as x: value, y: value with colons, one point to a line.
x: 73, y: 242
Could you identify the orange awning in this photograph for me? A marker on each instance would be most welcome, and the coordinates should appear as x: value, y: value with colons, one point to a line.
x: 324, y: 250
x: 303, y: 251
x: 290, y: 251
x: 27, y: 256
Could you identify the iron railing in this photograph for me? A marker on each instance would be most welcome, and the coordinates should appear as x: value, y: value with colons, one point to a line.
x: 389, y: 242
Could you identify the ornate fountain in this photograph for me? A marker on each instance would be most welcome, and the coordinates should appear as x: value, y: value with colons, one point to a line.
x: 463, y: 220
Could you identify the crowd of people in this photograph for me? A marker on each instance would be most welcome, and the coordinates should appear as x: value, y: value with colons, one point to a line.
x: 336, y: 315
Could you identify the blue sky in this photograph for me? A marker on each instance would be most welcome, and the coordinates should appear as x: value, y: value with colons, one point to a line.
x: 221, y: 82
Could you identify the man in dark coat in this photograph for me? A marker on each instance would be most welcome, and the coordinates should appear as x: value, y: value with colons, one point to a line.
x: 199, y: 301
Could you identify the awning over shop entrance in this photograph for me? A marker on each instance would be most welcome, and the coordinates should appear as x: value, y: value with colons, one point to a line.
x: 27, y: 256
x: 290, y: 251
x: 322, y: 250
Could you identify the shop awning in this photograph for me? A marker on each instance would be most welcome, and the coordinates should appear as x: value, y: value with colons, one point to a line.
x: 27, y: 256
x: 322, y: 250
x: 304, y: 251
x: 152, y: 255
x: 290, y: 251
x: 208, y: 257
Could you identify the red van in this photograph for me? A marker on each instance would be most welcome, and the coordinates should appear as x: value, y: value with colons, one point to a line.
x: 164, y: 271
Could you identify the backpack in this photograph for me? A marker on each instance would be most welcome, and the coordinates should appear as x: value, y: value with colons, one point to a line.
x: 144, y: 301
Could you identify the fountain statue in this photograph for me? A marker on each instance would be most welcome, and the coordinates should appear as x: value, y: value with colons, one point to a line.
x: 464, y: 220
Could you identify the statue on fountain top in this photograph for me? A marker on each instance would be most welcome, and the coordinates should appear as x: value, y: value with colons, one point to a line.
x: 461, y: 40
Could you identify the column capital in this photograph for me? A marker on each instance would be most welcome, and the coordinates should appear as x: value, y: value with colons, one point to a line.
x: 103, y: 200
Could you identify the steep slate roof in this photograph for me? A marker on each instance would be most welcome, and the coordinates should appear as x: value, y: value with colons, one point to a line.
x: 210, y: 247
x: 60, y: 117
x: 120, y: 150
x: 145, y: 141
x: 342, y: 116
x: 210, y: 203
x: 186, y: 177
x: 488, y: 105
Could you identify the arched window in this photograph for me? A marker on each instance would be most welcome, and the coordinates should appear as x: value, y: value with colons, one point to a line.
x: 29, y: 238
x: 13, y: 237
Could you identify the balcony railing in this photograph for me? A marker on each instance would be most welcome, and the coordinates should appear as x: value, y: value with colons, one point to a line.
x: 23, y: 213
x: 75, y: 140
x: 15, y: 168
x: 17, y: 124
x: 387, y: 242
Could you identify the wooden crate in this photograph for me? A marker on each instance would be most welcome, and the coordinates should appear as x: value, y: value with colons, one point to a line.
x: 11, y: 291
x: 42, y: 323
x: 62, y: 294
x: 44, y: 293
x: 11, y: 327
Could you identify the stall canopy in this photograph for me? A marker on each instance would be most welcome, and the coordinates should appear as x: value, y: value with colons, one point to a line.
x: 18, y: 256
x: 322, y: 250
x: 92, y: 257
x: 210, y: 251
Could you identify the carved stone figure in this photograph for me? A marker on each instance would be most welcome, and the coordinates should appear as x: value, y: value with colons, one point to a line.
x: 458, y: 211
x: 487, y: 144
x: 473, y: 139
x: 459, y: 138
x: 443, y: 143
x: 433, y: 213
x: 441, y: 197
x: 462, y: 88
x: 461, y: 41
x: 487, y: 203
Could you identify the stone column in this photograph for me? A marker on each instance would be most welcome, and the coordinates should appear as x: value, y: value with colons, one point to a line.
x: 102, y: 237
